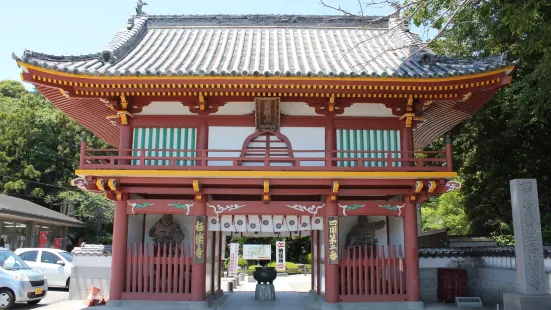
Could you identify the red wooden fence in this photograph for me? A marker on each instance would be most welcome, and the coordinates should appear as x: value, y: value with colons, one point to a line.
x: 162, y: 273
x: 372, y: 273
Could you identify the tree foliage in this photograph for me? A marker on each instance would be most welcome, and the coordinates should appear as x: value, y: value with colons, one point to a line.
x: 445, y: 211
x: 508, y: 137
x: 39, y: 152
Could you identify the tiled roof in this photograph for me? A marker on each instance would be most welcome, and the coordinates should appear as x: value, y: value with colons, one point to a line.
x: 24, y: 208
x: 263, y: 45
x: 93, y: 250
x: 503, y: 251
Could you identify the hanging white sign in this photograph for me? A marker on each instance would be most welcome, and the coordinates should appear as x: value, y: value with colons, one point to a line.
x: 234, y: 256
x: 280, y: 255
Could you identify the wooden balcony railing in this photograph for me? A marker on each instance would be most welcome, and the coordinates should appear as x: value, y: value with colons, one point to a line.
x: 165, y: 159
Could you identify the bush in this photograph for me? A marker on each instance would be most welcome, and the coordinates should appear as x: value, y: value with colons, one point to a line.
x: 240, y: 262
x: 309, y: 258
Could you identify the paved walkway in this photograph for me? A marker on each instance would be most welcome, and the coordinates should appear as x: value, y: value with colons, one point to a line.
x: 284, y: 301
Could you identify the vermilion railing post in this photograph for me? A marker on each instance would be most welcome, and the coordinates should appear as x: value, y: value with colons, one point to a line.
x: 169, y: 269
x: 134, y: 268
x: 83, y: 146
x: 354, y: 274
x: 140, y: 269
x: 383, y: 269
x: 342, y: 285
x: 371, y: 271
x: 128, y: 267
x: 449, y: 153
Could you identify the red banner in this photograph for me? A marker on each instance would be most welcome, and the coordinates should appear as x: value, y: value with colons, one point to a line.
x: 43, y: 239
x: 57, y: 243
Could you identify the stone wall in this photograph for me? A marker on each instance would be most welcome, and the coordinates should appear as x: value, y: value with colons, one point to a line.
x: 489, y: 277
x: 91, y: 268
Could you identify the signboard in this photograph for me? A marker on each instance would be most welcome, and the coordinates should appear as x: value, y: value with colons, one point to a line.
x: 199, y: 239
x: 57, y: 243
x: 234, y: 257
x: 257, y: 251
x: 280, y: 255
x: 267, y: 114
x: 333, y: 238
x: 43, y: 239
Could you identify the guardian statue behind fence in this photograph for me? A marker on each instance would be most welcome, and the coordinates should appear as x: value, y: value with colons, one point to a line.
x: 363, y: 234
x: 166, y: 233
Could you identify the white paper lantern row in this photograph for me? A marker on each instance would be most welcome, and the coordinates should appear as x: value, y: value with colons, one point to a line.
x: 264, y: 223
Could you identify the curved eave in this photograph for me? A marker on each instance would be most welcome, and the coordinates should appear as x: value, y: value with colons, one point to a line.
x: 156, y: 78
x: 79, y: 96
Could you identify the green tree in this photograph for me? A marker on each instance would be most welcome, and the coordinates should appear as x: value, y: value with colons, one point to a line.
x: 39, y: 152
x: 446, y: 211
x: 92, y: 209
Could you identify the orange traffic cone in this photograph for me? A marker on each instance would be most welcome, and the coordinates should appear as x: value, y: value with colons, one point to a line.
x: 92, y: 299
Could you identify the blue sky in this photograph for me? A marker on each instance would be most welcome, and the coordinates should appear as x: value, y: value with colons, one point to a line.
x: 68, y: 27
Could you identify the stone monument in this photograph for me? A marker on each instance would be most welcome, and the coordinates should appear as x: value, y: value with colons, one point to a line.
x: 531, y: 282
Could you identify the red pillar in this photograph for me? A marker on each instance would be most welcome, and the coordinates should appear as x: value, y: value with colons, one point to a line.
x: 118, y: 258
x: 330, y: 142
x: 331, y: 270
x: 203, y: 140
x: 412, y: 254
x: 407, y: 145
x: 125, y: 143
x: 198, y: 271
x: 449, y: 153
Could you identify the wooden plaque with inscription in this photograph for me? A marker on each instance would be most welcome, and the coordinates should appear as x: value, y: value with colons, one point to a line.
x: 267, y: 114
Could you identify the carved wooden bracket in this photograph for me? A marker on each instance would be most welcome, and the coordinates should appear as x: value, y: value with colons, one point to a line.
x: 197, y: 190
x: 266, y: 192
x: 333, y: 106
x: 121, y: 108
x: 203, y: 105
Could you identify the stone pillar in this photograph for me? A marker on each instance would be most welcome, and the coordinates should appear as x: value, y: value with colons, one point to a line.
x: 118, y: 259
x: 412, y: 255
x: 331, y: 270
x: 531, y: 277
x: 29, y: 238
x: 198, y: 271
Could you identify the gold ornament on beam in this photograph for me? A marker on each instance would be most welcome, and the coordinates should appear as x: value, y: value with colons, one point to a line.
x: 122, y: 114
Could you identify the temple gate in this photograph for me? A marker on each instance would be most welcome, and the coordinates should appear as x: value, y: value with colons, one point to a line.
x: 264, y: 125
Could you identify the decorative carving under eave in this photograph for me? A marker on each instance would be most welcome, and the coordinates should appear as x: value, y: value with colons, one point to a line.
x: 203, y: 105
x: 122, y: 110
x: 312, y: 209
x: 136, y: 205
x: 219, y: 209
x: 350, y: 207
x: 185, y: 206
x: 393, y: 208
x: 329, y: 107
x: 411, y: 119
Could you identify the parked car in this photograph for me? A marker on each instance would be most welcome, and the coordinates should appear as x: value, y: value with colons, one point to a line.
x: 54, y: 264
x: 18, y: 282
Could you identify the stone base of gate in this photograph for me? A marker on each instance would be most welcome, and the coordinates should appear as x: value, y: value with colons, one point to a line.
x: 213, y: 301
x: 526, y: 302
x: 318, y: 303
x: 157, y: 305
